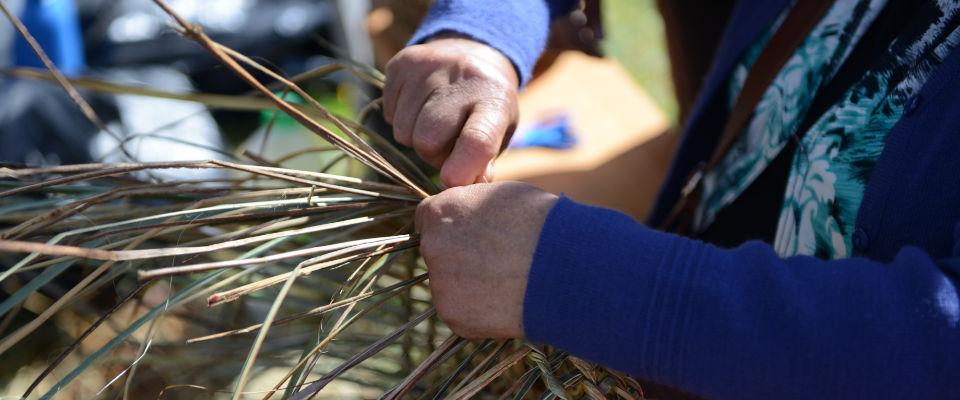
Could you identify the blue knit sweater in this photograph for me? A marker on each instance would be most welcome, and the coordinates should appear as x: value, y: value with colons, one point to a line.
x: 743, y: 323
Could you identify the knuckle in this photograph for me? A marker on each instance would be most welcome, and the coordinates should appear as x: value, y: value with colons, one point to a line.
x: 437, y: 78
x: 403, y: 124
x: 477, y: 67
x: 389, y: 103
x: 429, y: 205
x: 401, y: 60
x: 430, y: 144
x: 400, y: 132
x: 482, y: 70
x: 435, y: 119
x: 400, y: 135
x: 498, y: 104
x: 425, y: 206
x: 471, y: 68
x: 480, y: 135
x: 430, y: 208
x: 481, y: 139
x: 458, y: 197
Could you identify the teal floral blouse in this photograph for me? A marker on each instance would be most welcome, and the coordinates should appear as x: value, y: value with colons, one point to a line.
x: 833, y: 160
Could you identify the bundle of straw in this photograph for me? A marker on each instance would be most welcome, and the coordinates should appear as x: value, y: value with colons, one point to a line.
x: 294, y: 258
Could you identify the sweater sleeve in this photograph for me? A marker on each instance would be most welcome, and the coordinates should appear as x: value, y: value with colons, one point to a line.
x: 517, y: 28
x: 742, y: 323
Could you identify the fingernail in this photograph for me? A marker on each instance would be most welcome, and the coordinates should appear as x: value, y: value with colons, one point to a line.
x: 487, y: 175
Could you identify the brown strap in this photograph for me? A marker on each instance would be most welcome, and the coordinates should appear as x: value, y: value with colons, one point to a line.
x: 803, y: 17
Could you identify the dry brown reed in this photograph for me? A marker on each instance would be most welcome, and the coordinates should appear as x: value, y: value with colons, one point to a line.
x: 141, y: 264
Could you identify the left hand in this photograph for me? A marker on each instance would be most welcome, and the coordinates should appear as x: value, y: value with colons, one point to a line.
x: 478, y: 242
x: 454, y: 101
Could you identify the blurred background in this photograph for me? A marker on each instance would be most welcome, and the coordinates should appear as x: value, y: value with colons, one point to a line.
x: 588, y: 141
x: 129, y: 41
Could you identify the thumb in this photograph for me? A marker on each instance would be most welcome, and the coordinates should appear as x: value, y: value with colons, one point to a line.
x: 487, y: 175
x: 478, y: 144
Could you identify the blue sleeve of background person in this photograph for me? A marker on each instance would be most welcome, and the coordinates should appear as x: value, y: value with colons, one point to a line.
x: 743, y: 323
x: 517, y: 28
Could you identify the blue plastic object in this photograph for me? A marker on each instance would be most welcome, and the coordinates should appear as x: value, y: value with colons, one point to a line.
x: 55, y: 25
x: 554, y: 133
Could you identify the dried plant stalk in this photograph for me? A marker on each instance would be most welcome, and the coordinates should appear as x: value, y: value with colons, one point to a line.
x: 331, y: 240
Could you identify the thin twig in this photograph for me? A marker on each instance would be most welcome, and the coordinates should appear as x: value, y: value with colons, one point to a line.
x: 316, y: 311
x: 16, y: 246
x: 264, y: 328
x: 231, y: 295
x: 333, y: 335
x: 83, y: 336
x: 485, y: 379
x: 368, y: 157
x: 244, y: 217
x: 374, y: 348
x: 344, y: 247
x: 444, y: 351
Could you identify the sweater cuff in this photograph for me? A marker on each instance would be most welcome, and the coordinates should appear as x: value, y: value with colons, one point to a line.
x: 518, y: 29
x: 601, y: 287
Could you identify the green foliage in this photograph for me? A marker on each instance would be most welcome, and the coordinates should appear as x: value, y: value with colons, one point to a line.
x: 635, y: 36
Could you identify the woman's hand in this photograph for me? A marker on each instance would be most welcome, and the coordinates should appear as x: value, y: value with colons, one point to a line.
x: 478, y: 242
x: 454, y: 100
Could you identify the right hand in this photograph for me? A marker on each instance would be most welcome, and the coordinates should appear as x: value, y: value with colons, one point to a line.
x: 479, y: 242
x: 454, y: 101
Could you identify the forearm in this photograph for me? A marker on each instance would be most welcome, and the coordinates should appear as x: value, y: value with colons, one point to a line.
x: 741, y: 323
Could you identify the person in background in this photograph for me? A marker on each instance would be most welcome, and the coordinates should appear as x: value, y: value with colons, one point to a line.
x: 820, y: 254
x: 58, y: 132
x: 56, y: 27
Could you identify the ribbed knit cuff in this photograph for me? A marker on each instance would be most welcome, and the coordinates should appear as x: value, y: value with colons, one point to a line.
x: 518, y: 29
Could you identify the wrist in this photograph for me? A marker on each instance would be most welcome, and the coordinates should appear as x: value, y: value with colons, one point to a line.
x: 486, y: 52
x: 442, y: 35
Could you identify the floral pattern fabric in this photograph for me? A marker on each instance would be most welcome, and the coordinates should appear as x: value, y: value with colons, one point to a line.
x: 834, y: 159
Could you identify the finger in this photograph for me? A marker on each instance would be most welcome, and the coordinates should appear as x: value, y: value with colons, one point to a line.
x: 478, y: 143
x: 487, y: 175
x: 409, y: 106
x: 438, y: 126
x: 392, y: 86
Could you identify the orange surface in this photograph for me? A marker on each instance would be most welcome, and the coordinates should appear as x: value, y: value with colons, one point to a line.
x: 621, y: 155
